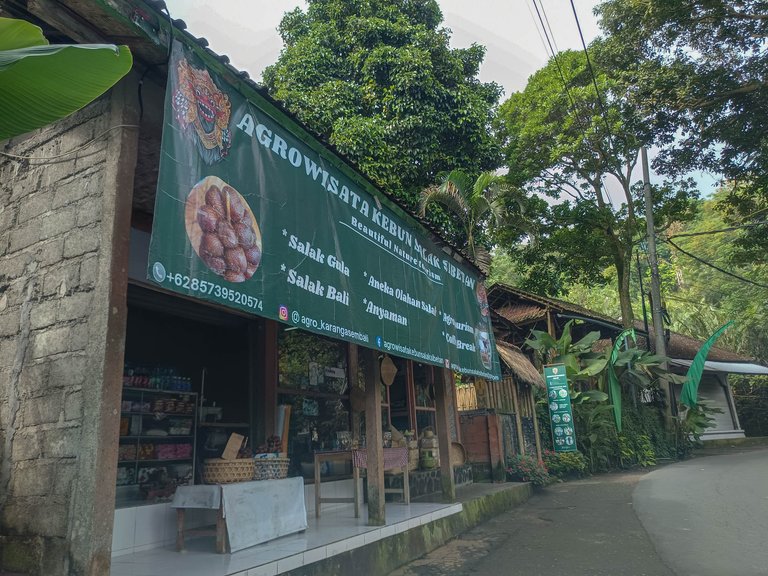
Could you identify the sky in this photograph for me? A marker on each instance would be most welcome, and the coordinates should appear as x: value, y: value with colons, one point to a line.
x: 246, y: 31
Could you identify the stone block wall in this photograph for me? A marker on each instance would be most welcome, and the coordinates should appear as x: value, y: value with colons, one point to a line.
x: 60, y: 216
x: 426, y: 482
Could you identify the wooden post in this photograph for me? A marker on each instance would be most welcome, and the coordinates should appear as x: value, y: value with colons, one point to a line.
x: 264, y: 386
x: 510, y: 384
x: 443, y: 383
x: 492, y: 402
x: 179, y: 529
x: 352, y: 365
x: 518, y: 418
x: 221, y: 529
x: 457, y: 422
x: 374, y: 438
x: 550, y: 324
x: 536, y: 437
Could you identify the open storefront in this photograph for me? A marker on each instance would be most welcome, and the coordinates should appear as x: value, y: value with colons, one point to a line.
x: 275, y: 295
x: 201, y: 266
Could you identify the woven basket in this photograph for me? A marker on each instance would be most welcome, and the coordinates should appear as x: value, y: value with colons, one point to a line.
x: 270, y: 468
x: 219, y: 471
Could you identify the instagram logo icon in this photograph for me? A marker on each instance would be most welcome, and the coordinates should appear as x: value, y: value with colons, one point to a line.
x: 283, y: 313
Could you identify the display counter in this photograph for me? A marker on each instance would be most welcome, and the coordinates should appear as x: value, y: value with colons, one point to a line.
x: 249, y: 513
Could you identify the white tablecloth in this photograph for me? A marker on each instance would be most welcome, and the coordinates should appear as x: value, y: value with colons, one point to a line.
x: 197, y: 496
x: 255, y: 512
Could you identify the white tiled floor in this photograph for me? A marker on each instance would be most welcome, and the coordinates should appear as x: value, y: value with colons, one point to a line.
x: 335, y: 532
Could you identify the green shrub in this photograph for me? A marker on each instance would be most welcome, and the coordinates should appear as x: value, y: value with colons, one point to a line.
x: 692, y: 426
x: 636, y: 451
x: 646, y: 421
x: 527, y: 469
x: 565, y: 464
x: 750, y: 394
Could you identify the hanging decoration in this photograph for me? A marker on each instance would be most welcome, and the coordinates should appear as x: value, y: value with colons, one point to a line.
x: 388, y: 370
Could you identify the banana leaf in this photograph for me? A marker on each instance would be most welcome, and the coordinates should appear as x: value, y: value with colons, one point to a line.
x: 41, y: 83
x: 614, y: 388
x: 690, y: 392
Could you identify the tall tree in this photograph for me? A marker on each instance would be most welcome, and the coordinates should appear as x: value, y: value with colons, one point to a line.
x: 696, y: 71
x: 706, y: 298
x: 698, y: 297
x: 378, y: 79
x: 569, y: 137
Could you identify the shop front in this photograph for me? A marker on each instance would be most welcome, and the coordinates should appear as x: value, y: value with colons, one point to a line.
x: 278, y: 301
x: 196, y: 265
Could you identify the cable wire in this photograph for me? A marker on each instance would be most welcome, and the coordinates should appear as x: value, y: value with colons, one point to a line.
x: 726, y: 272
x: 547, y: 29
x: 592, y: 74
x: 73, y: 151
x: 720, y: 231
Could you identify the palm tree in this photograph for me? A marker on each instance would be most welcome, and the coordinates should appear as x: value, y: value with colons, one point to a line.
x: 474, y: 203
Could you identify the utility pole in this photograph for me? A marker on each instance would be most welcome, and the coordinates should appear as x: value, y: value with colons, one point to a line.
x: 656, y: 316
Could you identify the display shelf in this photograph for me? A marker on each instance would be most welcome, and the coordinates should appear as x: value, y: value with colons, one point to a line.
x: 155, y: 437
x: 153, y: 461
x: 224, y: 424
x: 165, y: 414
x: 156, y: 390
x: 150, y: 466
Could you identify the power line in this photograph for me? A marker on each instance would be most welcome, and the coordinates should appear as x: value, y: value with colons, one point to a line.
x: 592, y: 74
x: 549, y: 27
x: 553, y: 56
x: 538, y: 31
x: 726, y: 272
x: 52, y: 159
x: 720, y: 231
x: 575, y: 108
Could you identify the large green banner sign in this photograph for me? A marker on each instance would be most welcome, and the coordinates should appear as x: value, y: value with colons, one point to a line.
x: 252, y: 217
x: 560, y: 413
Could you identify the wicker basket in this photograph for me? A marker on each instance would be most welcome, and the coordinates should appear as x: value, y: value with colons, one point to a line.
x: 220, y: 471
x: 270, y: 468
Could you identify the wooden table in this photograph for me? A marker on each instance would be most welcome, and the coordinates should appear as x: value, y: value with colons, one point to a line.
x: 332, y: 456
x: 206, y: 496
x: 394, y: 458
x: 248, y: 513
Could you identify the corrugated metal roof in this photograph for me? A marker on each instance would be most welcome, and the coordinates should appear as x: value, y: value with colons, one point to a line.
x: 520, y: 307
x: 726, y: 367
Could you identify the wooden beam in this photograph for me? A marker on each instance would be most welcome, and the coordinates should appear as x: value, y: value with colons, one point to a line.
x: 537, y: 437
x: 455, y: 400
x: 443, y: 383
x: 353, y: 391
x: 374, y: 438
x: 518, y: 419
x: 265, y: 385
x: 550, y: 324
x: 63, y: 19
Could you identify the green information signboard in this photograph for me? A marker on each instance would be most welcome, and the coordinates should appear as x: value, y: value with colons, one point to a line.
x: 560, y: 413
x: 250, y: 216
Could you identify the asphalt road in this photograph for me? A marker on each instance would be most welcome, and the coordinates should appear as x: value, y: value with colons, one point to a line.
x: 706, y: 516
x: 709, y: 516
